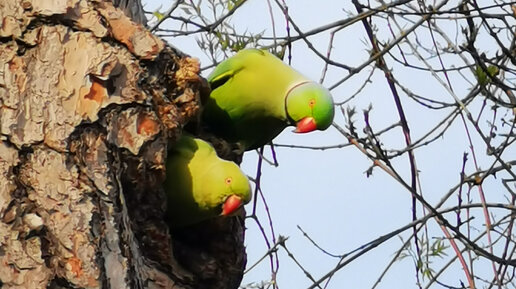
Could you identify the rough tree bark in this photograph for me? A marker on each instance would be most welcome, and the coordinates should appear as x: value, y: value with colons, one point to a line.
x: 89, y: 102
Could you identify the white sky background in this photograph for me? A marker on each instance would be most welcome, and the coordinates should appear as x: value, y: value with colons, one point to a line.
x: 327, y: 193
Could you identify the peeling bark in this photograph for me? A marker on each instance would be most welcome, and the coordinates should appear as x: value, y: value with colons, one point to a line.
x: 89, y: 101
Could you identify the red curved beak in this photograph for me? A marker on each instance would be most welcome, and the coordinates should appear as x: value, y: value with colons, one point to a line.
x: 306, y: 124
x: 231, y: 205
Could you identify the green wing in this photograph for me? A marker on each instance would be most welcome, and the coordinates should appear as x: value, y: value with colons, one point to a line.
x: 229, y: 67
x: 247, y: 102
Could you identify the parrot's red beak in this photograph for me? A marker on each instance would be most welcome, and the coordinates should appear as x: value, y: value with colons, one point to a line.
x: 231, y: 205
x: 306, y: 124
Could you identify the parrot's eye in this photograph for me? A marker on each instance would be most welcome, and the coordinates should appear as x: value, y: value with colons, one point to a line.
x: 311, y: 103
x: 228, y: 180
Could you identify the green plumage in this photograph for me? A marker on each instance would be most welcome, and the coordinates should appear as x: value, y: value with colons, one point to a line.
x: 255, y: 96
x: 198, y: 182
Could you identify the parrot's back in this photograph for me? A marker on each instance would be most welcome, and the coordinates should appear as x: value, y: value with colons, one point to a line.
x: 188, y: 163
x: 247, y: 102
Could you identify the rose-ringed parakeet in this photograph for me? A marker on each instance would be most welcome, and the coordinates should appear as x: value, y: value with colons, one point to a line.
x: 255, y: 96
x: 199, y: 185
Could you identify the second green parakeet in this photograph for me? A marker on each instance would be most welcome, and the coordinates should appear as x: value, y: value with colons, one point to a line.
x: 255, y: 96
x: 200, y: 185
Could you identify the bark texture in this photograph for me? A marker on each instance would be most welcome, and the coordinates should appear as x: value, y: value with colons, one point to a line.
x: 89, y: 101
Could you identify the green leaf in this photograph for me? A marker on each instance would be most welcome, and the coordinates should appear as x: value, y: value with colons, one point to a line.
x: 480, y: 75
x: 483, y: 77
x: 158, y: 15
x: 419, y: 265
x: 438, y: 249
x: 493, y: 70
x: 233, y: 3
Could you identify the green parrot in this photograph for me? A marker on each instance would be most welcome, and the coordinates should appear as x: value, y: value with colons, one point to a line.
x: 199, y: 185
x: 255, y: 96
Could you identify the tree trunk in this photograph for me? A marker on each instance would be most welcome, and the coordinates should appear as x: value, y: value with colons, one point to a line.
x: 89, y: 102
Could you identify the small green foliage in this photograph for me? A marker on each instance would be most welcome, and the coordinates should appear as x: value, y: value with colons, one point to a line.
x: 483, y: 77
x: 232, y: 3
x: 427, y: 254
x: 158, y: 15
x: 235, y: 43
x: 437, y: 249
x: 221, y: 36
x: 493, y: 70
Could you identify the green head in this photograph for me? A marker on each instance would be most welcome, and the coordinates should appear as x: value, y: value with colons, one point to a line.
x: 309, y: 106
x: 226, y: 188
